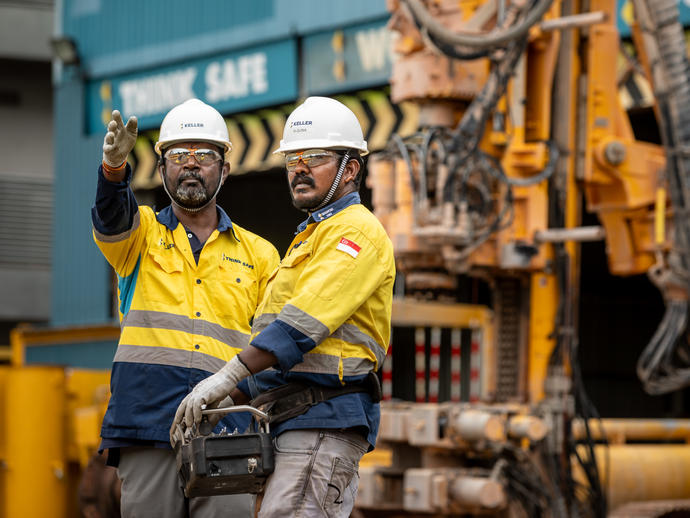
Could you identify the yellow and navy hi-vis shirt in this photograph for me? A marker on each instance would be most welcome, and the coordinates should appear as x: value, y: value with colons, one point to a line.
x: 326, y: 314
x: 180, y: 320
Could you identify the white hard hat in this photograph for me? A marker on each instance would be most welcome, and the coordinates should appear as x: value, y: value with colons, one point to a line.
x: 321, y: 122
x: 194, y: 121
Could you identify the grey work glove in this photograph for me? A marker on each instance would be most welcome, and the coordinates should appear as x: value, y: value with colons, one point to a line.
x: 208, y: 423
x: 208, y: 392
x: 119, y: 140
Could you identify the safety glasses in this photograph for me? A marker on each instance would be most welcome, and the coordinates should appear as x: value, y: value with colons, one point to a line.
x: 180, y: 155
x: 309, y: 157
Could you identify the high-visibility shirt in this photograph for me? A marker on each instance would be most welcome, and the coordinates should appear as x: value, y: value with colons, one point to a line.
x: 326, y: 314
x: 181, y: 321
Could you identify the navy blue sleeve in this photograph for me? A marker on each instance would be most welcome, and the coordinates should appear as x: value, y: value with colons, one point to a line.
x: 115, y: 207
x: 285, y: 342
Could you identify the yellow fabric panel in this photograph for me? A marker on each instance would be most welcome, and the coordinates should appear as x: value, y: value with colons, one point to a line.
x: 223, y: 289
x: 335, y: 288
x: 124, y: 253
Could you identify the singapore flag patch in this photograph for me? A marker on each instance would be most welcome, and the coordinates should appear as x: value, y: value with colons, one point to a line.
x: 349, y: 247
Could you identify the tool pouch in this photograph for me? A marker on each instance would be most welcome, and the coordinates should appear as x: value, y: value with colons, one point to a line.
x: 226, y: 464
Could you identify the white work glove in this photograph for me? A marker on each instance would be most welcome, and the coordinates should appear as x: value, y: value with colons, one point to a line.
x: 119, y: 140
x: 208, y: 393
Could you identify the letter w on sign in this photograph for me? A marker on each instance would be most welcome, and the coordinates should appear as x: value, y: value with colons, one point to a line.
x: 349, y: 247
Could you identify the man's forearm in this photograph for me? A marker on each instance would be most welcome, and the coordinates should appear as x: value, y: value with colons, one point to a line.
x: 238, y: 397
x: 115, y: 204
x: 257, y: 359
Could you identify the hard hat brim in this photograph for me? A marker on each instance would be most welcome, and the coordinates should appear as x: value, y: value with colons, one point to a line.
x: 227, y: 146
x: 321, y: 144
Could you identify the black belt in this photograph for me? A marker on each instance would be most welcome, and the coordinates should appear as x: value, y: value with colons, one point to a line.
x: 293, y: 399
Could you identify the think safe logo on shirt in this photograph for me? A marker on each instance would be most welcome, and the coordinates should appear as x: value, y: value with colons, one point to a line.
x: 224, y: 257
x: 166, y: 246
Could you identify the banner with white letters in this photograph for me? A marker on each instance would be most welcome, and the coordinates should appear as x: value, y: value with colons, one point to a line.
x: 232, y: 82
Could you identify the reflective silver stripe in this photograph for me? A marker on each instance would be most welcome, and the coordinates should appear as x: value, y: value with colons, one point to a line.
x: 352, y: 334
x: 304, y: 323
x: 166, y: 356
x: 318, y: 363
x: 318, y: 332
x: 161, y: 320
x: 118, y: 237
x: 261, y: 322
x: 357, y: 366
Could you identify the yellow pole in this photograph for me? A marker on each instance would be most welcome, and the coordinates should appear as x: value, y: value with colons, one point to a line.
x: 660, y: 217
x: 17, y: 346
x: 33, y: 424
x: 542, y: 315
x: 4, y: 374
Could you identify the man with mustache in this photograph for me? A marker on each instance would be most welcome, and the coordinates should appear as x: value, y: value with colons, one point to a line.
x: 322, y: 329
x: 189, y: 283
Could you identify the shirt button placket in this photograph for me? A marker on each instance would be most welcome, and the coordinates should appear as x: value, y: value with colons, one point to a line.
x: 196, y: 328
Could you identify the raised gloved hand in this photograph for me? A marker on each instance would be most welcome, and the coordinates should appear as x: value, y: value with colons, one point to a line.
x: 208, y: 393
x: 119, y: 140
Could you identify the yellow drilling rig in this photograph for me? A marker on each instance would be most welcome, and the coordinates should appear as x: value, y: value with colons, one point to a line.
x: 520, y: 125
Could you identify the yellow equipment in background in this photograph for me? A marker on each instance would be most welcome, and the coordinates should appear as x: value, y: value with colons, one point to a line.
x: 51, y: 420
x: 520, y: 119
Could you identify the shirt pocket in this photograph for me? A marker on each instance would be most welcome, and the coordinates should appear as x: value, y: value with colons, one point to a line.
x: 296, y: 256
x: 163, y: 278
x: 235, y: 292
x: 283, y: 285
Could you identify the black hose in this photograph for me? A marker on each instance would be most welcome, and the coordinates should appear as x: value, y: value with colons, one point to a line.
x: 545, y: 174
x: 466, y: 137
x: 659, y: 367
x: 405, y: 154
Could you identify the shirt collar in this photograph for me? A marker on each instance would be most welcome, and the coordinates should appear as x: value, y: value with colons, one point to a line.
x: 167, y: 217
x: 330, y: 210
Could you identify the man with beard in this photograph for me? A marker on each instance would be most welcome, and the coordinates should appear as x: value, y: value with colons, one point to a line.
x: 189, y: 282
x: 322, y: 329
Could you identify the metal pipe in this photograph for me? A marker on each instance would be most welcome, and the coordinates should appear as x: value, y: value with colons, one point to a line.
x: 559, y: 235
x: 642, y: 471
x: 477, y: 492
x: 621, y: 430
x: 528, y: 427
x: 572, y: 21
x: 475, y: 425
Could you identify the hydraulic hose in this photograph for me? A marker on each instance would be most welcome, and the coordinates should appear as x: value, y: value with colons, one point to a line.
x: 481, y: 41
x: 661, y: 367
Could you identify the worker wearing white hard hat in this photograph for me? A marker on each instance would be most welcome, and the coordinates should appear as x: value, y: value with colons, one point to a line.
x: 189, y: 282
x: 324, y: 325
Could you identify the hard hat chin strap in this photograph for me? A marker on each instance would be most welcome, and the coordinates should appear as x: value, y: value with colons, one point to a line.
x: 334, y: 185
x: 195, y: 209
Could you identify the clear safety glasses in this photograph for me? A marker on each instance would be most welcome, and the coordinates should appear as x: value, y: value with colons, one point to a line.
x: 310, y: 158
x: 180, y: 155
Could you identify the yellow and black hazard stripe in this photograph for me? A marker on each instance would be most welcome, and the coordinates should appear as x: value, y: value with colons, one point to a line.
x: 255, y: 135
x: 380, y: 118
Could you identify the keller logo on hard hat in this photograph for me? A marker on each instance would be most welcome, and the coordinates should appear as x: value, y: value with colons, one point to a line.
x: 322, y: 123
x: 208, y: 126
x: 300, y: 123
